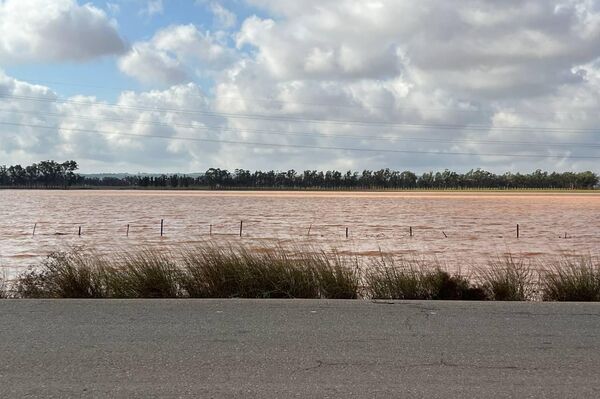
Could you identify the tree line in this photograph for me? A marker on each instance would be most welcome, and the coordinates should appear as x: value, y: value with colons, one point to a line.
x: 45, y: 174
x: 49, y: 174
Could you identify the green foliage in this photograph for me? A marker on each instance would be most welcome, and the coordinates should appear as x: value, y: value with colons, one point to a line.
x: 509, y: 279
x: 3, y: 286
x: 203, y: 272
x: 47, y: 174
x: 210, y: 271
x: 572, y: 280
x: 65, y: 275
x: 148, y: 274
x: 414, y: 280
x: 217, y: 272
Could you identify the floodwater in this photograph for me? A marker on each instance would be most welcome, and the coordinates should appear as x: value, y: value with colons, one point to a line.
x: 459, y: 229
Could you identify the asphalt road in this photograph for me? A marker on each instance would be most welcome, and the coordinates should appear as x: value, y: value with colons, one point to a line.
x: 298, y: 349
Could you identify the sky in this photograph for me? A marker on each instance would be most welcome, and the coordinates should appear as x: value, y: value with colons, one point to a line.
x: 185, y: 85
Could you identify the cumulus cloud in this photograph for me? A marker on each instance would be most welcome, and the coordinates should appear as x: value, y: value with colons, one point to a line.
x: 224, y: 18
x: 60, y: 30
x: 480, y: 46
x: 477, y: 77
x: 478, y: 67
x: 175, y: 54
x: 109, y: 136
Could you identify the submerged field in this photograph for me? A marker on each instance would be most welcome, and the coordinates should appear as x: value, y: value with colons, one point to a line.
x: 461, y: 230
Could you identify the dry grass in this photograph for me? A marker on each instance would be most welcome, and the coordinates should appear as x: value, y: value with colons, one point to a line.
x: 210, y: 271
x: 65, y: 275
x: 416, y: 279
x: 147, y: 274
x: 4, y: 289
x: 236, y: 272
x: 572, y: 280
x: 206, y: 271
x: 509, y: 279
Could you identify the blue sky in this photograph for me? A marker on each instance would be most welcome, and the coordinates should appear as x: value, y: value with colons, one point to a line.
x: 101, y: 77
x: 182, y: 86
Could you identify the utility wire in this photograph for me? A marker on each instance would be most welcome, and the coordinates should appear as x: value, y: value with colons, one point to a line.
x: 274, y: 118
x: 299, y: 146
x: 316, y: 104
x: 305, y: 134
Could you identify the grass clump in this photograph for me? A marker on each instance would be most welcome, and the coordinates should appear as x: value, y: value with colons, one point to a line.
x: 147, y: 274
x: 414, y: 280
x: 65, y: 275
x: 508, y: 279
x: 338, y: 277
x: 3, y: 285
x: 572, y: 280
x: 227, y: 272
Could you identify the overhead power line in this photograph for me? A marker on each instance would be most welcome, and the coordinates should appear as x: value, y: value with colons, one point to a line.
x: 301, y: 146
x: 243, y: 98
x: 305, y: 134
x: 275, y: 118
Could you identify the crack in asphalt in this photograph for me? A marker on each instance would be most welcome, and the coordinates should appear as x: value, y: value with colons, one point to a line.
x: 441, y: 362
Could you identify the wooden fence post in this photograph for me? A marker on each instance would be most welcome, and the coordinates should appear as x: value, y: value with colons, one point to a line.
x: 162, y: 226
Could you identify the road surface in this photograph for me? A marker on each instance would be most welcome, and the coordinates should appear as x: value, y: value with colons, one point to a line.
x: 298, y: 349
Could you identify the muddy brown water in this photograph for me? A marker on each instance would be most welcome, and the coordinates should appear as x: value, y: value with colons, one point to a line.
x: 459, y: 229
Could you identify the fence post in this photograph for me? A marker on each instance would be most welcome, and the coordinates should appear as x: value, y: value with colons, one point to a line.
x: 34, y: 227
x: 241, y: 227
x: 346, y: 232
x: 162, y: 226
x: 79, y: 233
x: 410, y: 231
x: 518, y: 231
x: 127, y: 233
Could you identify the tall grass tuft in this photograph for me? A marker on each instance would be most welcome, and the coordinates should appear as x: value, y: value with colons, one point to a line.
x: 65, y: 275
x: 416, y: 280
x: 236, y: 272
x: 509, y: 279
x: 572, y: 280
x: 4, y: 290
x: 147, y: 274
x: 338, y: 277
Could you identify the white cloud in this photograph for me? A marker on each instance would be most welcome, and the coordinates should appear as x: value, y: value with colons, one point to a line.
x: 59, y: 30
x: 113, y: 8
x: 152, y: 8
x: 97, y: 133
x: 425, y: 76
x: 428, y: 63
x: 152, y: 66
x: 224, y: 18
x: 175, y: 54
